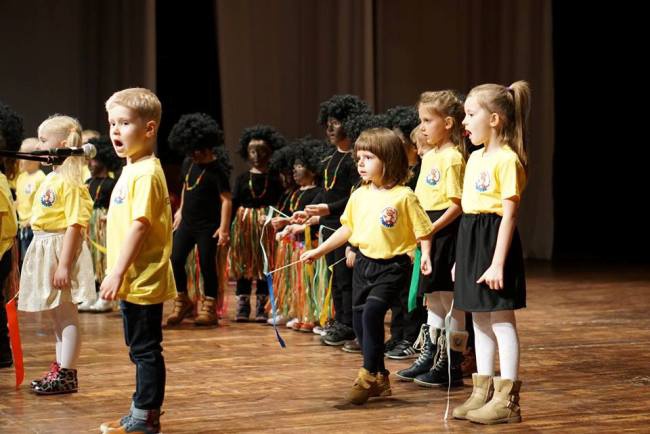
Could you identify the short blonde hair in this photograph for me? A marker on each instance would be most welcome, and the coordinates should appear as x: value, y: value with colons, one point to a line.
x: 142, y: 101
x: 29, y: 144
x: 69, y: 129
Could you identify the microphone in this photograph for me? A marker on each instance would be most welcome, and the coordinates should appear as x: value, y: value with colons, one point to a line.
x: 87, y: 150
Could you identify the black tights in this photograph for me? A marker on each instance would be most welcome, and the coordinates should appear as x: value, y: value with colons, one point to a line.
x: 369, y: 328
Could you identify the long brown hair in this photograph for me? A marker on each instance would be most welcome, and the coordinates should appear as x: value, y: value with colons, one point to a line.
x: 512, y: 104
x: 387, y: 146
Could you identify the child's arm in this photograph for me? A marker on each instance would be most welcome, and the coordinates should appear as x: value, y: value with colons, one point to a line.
x: 493, y: 276
x: 338, y: 238
x: 178, y: 216
x: 223, y: 233
x: 71, y: 242
x: 425, y: 259
x: 134, y: 240
x: 448, y: 216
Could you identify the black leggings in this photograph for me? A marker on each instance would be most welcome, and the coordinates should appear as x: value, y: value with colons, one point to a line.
x: 184, y: 241
x: 369, y: 329
x: 245, y: 287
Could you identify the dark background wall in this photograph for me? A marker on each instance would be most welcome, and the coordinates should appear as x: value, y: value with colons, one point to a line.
x: 246, y: 62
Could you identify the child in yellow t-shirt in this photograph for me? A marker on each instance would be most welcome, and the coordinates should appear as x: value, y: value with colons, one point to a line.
x: 490, y: 278
x: 11, y: 131
x: 57, y: 270
x: 27, y: 183
x: 139, y: 246
x: 384, y: 220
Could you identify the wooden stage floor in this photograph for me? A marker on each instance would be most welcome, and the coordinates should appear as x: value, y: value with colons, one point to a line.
x: 585, y: 368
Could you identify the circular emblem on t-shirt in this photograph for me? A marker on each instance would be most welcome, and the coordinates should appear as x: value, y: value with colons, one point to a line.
x: 29, y: 188
x: 119, y: 195
x: 388, y: 217
x: 433, y: 178
x: 48, y: 198
x: 482, y: 182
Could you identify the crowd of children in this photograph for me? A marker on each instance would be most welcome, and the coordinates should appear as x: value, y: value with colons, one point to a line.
x: 348, y: 222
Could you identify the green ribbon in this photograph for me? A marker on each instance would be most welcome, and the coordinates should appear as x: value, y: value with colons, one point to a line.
x: 415, y: 280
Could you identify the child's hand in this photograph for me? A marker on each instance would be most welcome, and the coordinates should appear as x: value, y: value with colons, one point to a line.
x: 223, y: 236
x: 261, y: 219
x: 310, y: 256
x: 425, y: 264
x: 313, y: 221
x: 320, y: 209
x: 493, y: 277
x: 279, y: 222
x: 110, y: 287
x: 350, y: 256
x: 61, y: 278
x: 453, y: 273
x: 177, y: 220
x: 299, y: 217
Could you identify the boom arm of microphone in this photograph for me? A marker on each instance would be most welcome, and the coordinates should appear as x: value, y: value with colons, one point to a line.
x: 47, y: 159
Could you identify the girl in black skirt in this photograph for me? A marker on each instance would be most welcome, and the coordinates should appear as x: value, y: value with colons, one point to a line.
x: 384, y: 219
x: 489, y: 272
x: 439, y: 190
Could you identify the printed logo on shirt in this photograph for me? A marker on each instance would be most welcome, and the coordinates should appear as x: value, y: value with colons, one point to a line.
x: 119, y: 195
x: 433, y: 178
x: 388, y: 217
x: 48, y: 198
x: 29, y: 189
x: 482, y: 182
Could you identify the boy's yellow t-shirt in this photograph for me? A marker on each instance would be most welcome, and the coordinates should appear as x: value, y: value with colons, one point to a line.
x: 489, y: 179
x: 141, y: 193
x: 58, y: 204
x: 441, y: 178
x: 8, y: 222
x: 385, y: 223
x: 26, y: 186
x: 85, y: 173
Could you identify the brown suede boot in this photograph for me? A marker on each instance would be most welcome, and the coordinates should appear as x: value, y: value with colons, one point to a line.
x: 382, y: 386
x: 207, y: 314
x: 503, y: 407
x: 361, y: 389
x: 183, y: 308
x: 481, y: 394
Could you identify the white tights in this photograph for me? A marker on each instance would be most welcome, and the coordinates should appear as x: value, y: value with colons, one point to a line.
x: 65, y: 322
x: 438, y: 305
x: 490, y: 329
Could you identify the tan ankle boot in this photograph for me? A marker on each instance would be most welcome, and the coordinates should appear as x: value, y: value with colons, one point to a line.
x: 481, y: 394
x: 183, y: 308
x: 503, y: 407
x: 361, y: 389
x: 207, y: 315
x: 382, y: 386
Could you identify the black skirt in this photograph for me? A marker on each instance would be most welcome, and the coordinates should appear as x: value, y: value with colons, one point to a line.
x: 443, y: 256
x: 477, y: 239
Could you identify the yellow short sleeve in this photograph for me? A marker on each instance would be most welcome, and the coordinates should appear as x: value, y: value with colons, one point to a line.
x: 347, y: 218
x: 511, y: 178
x: 77, y: 205
x: 454, y: 181
x: 146, y: 194
x: 419, y: 219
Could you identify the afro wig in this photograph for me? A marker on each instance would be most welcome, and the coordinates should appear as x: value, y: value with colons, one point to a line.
x: 106, y: 154
x: 266, y: 133
x: 282, y: 159
x: 342, y: 108
x: 311, y: 153
x: 358, y: 124
x: 193, y: 132
x: 404, y: 118
x: 11, y: 128
x: 223, y: 160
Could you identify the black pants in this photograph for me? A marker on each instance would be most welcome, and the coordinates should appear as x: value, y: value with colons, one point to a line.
x: 26, y: 235
x: 245, y: 287
x: 341, y: 284
x: 405, y: 325
x: 184, y: 241
x: 377, y: 285
x: 5, y: 269
x: 143, y: 336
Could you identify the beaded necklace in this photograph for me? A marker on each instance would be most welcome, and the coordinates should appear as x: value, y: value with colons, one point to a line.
x: 250, y: 186
x: 189, y: 187
x: 328, y: 186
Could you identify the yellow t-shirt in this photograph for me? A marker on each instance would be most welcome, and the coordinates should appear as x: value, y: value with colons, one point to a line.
x: 58, y: 204
x: 8, y: 223
x: 141, y: 192
x: 489, y: 179
x: 385, y: 223
x: 26, y: 186
x: 441, y: 178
